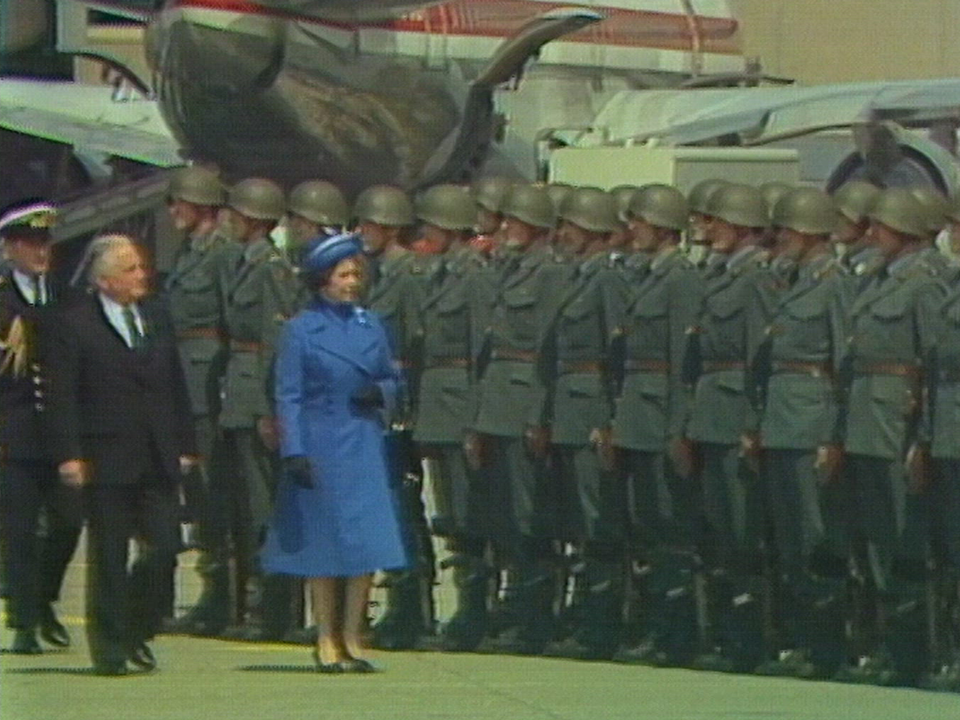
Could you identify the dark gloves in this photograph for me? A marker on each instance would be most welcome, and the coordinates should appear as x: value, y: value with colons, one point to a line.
x: 368, y: 398
x: 297, y: 470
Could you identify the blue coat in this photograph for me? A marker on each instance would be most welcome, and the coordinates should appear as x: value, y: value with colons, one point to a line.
x: 346, y: 525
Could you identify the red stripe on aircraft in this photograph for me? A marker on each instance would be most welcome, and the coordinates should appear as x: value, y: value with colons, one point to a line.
x: 503, y: 18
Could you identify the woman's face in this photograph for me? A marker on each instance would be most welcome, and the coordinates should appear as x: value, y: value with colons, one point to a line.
x: 346, y: 281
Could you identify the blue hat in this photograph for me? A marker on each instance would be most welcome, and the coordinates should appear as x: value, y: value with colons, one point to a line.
x: 324, y: 252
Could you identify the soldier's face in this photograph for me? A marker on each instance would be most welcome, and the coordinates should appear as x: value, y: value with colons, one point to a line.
x: 234, y: 225
x: 346, y: 281
x: 643, y: 235
x: 517, y: 235
x: 437, y: 239
x: 572, y: 239
x: 887, y: 240
x: 300, y: 230
x: 126, y: 277
x: 487, y: 222
x: 184, y: 215
x: 376, y: 237
x: 724, y: 237
x: 789, y: 244
x: 28, y: 255
x: 700, y: 228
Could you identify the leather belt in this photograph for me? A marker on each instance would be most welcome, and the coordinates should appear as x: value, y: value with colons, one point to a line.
x: 194, y: 333
x: 803, y: 368
x: 721, y: 365
x: 899, y: 369
x: 510, y: 354
x: 591, y: 367
x: 448, y: 362
x: 244, y: 346
x: 652, y: 366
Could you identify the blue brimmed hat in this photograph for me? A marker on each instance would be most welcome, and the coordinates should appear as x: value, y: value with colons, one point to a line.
x: 324, y: 252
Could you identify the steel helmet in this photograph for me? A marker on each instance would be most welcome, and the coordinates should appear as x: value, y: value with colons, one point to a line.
x: 897, y: 208
x: 319, y: 202
x: 701, y: 194
x: 451, y: 207
x: 935, y: 206
x: 197, y: 185
x: 558, y: 192
x: 591, y: 209
x: 854, y: 199
x: 807, y: 210
x: 741, y: 205
x: 660, y: 205
x: 490, y: 192
x: 623, y: 194
x: 384, y: 205
x: 257, y: 198
x: 530, y: 204
x: 773, y: 192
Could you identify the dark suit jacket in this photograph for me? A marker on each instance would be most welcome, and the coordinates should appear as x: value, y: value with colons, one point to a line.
x: 126, y: 411
x: 22, y: 395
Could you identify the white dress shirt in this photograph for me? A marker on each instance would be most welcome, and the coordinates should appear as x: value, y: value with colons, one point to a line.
x: 114, y: 312
x: 25, y: 283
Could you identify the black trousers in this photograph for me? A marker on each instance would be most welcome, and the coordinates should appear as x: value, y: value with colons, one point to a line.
x: 124, y: 602
x: 34, y: 563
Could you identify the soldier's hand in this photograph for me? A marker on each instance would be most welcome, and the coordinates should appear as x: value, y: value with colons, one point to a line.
x: 829, y: 463
x: 473, y: 449
x: 918, y: 467
x: 750, y: 450
x: 269, y: 432
x: 73, y: 473
x: 298, y: 470
x: 683, y: 455
x: 602, y: 441
x: 537, y: 440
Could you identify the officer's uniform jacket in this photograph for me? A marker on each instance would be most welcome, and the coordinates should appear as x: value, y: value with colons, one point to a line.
x: 635, y: 267
x: 262, y: 293
x: 801, y: 364
x: 22, y: 388
x: 449, y: 348
x: 861, y: 266
x: 943, y: 380
x: 587, y: 343
x: 735, y: 311
x: 653, y: 400
x: 515, y: 366
x: 891, y: 336
x: 196, y: 300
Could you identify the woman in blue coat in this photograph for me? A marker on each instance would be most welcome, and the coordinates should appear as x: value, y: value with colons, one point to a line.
x: 334, y: 522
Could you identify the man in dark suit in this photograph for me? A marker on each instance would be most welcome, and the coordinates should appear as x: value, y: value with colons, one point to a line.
x: 120, y: 428
x: 33, y: 566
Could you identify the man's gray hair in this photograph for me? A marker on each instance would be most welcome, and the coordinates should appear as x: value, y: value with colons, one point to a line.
x: 95, y: 263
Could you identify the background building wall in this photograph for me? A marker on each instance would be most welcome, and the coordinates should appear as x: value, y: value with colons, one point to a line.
x: 826, y: 41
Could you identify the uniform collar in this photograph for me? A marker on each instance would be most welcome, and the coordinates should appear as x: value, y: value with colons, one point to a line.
x: 257, y: 250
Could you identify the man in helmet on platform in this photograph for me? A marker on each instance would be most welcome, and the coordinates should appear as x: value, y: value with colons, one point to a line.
x: 653, y: 401
x: 261, y: 294
x: 195, y: 297
x: 851, y: 245
x: 800, y: 371
x: 699, y: 199
x: 512, y: 438
x: 385, y: 217
x: 891, y: 339
x: 314, y: 208
x: 723, y: 423
x: 490, y: 192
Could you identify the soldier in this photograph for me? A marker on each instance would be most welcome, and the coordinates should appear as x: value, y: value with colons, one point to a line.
x: 799, y: 370
x: 891, y: 339
x: 935, y: 208
x: 512, y: 437
x: 447, y: 404
x: 314, y: 208
x: 587, y: 341
x: 735, y: 310
x: 620, y: 239
x: 699, y: 199
x: 261, y: 293
x: 651, y: 407
x: 385, y: 215
x: 851, y: 245
x: 489, y: 192
x: 33, y: 566
x: 195, y: 299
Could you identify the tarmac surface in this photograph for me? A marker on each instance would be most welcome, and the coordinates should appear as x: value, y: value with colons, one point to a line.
x: 210, y: 679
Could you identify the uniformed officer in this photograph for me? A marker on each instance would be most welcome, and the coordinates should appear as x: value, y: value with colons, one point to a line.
x: 261, y: 293
x: 935, y: 208
x: 33, y: 566
x: 489, y: 192
x: 385, y: 216
x: 799, y: 371
x: 512, y: 439
x: 315, y: 208
x: 735, y: 310
x: 653, y: 401
x: 891, y: 339
x: 854, y: 199
x: 195, y: 297
x: 699, y: 199
x: 447, y: 404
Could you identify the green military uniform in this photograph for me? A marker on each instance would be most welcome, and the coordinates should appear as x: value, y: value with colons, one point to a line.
x: 891, y: 335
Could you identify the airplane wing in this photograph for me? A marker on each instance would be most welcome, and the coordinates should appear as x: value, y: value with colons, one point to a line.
x: 88, y: 117
x: 761, y: 115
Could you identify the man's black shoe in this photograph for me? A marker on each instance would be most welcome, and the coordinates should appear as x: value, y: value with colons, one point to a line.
x: 25, y: 643
x: 141, y: 657
x: 110, y: 669
x: 52, y: 630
